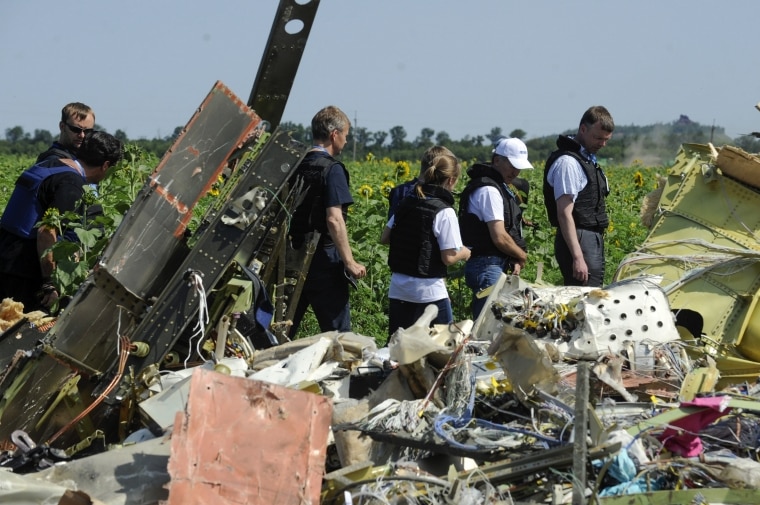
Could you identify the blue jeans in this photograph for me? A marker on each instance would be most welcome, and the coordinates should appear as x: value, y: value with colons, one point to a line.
x: 403, y: 314
x: 481, y: 272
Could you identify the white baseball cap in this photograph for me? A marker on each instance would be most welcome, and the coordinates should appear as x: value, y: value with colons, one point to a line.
x: 515, y: 151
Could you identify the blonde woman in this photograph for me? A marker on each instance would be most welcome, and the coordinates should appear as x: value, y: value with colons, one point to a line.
x: 424, y: 240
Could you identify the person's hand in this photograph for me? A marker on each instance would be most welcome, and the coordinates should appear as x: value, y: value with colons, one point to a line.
x: 358, y: 270
x: 580, y: 270
x: 48, y: 295
x: 466, y: 253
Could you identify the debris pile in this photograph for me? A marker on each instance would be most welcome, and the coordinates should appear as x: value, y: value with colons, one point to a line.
x: 484, y: 412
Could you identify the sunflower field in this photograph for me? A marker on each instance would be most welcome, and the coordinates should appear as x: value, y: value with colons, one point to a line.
x: 371, y: 181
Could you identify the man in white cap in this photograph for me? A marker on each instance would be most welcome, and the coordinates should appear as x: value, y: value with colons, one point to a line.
x: 490, y: 218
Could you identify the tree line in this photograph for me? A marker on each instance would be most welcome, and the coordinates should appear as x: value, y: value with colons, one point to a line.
x: 655, y: 144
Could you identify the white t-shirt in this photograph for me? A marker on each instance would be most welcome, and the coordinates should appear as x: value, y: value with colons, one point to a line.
x: 422, y: 290
x: 567, y: 177
x: 486, y: 203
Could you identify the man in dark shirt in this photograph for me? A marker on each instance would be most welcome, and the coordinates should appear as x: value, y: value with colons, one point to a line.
x: 77, y: 119
x: 324, y: 210
x: 26, y: 265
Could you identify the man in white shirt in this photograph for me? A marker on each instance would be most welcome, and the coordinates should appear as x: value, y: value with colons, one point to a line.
x: 490, y: 218
x: 575, y: 190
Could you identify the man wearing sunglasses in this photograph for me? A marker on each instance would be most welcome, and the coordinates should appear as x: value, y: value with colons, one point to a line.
x: 77, y: 119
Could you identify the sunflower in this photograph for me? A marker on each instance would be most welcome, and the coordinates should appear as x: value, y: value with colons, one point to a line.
x: 216, y: 188
x: 403, y: 170
x: 90, y: 196
x: 638, y: 179
x: 386, y: 187
x: 369, y: 157
x: 366, y: 191
x: 52, y: 218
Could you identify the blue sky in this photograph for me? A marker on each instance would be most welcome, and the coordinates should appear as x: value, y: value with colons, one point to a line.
x: 454, y: 66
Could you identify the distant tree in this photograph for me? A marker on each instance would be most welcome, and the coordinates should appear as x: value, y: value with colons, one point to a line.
x: 443, y: 139
x: 298, y: 132
x: 99, y: 128
x: 655, y: 143
x: 43, y: 136
x: 362, y: 137
x: 749, y: 143
x: 467, y: 141
x: 398, y: 136
x: 15, y: 134
x: 121, y: 135
x: 517, y: 134
x: 540, y: 148
x: 379, y: 139
x: 425, y: 139
x: 495, y: 135
x: 156, y: 146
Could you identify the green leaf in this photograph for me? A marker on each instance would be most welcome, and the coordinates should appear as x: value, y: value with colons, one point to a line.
x: 88, y: 238
x: 64, y: 250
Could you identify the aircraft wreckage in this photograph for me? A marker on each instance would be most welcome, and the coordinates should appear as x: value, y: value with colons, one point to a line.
x: 163, y: 381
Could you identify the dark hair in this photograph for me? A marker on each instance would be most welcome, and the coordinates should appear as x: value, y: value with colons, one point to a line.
x: 598, y: 113
x: 99, y: 147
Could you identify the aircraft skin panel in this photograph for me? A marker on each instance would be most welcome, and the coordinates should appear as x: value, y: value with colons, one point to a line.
x: 704, y: 244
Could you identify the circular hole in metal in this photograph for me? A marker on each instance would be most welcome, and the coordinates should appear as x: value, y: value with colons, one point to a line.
x: 600, y: 306
x: 294, y: 26
x: 652, y: 309
x: 623, y: 316
x: 659, y: 324
x: 639, y: 312
x: 613, y: 337
x: 629, y: 332
x: 607, y: 320
x: 632, y: 297
x: 645, y: 328
x: 616, y: 301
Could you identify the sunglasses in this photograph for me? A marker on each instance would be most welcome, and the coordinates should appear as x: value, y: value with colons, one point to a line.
x: 77, y: 130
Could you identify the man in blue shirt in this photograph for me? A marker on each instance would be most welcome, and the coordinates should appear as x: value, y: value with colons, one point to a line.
x: 324, y: 209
